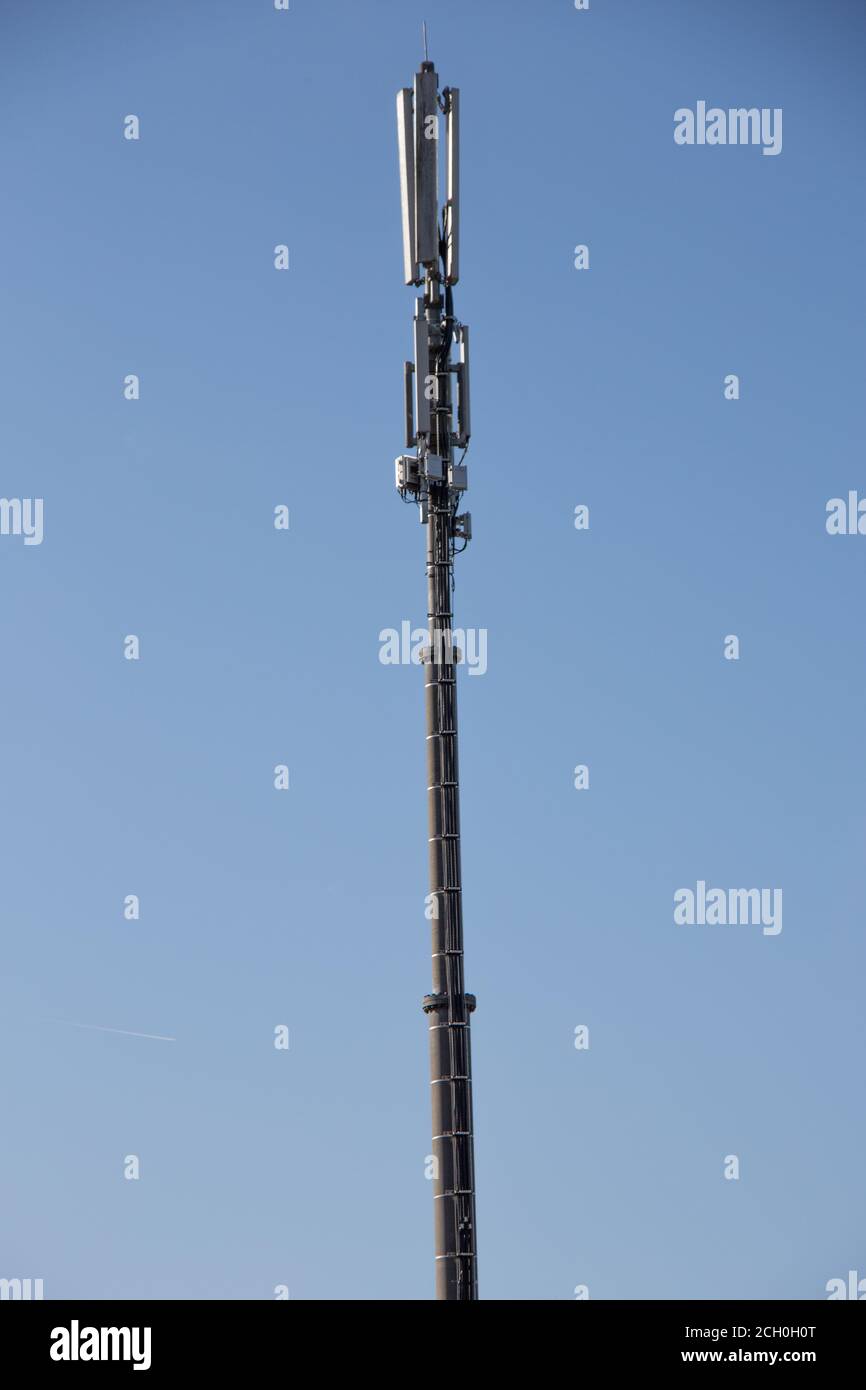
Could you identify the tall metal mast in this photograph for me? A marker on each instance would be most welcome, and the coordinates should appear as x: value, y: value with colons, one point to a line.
x: 437, y: 427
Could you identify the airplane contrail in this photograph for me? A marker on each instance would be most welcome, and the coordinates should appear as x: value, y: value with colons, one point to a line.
x: 125, y: 1032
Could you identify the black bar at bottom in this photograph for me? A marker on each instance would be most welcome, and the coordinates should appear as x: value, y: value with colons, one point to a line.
x: 221, y: 1337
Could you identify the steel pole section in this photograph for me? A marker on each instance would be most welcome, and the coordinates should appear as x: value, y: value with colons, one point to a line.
x: 448, y: 1008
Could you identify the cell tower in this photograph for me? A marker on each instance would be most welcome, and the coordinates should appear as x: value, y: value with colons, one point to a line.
x: 437, y: 428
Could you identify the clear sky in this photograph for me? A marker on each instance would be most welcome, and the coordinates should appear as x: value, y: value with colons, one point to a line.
x: 601, y: 1167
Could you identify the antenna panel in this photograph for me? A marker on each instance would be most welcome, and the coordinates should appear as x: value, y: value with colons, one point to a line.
x: 452, y: 187
x: 426, y: 168
x: 408, y: 373
x: 422, y: 369
x: 406, y: 148
x: 464, y: 424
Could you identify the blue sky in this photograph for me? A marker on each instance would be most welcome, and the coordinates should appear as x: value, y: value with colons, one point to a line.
x: 258, y: 908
